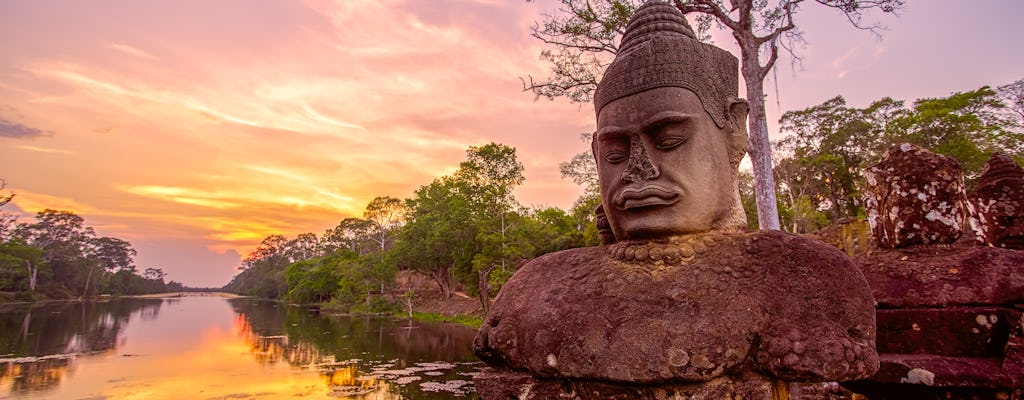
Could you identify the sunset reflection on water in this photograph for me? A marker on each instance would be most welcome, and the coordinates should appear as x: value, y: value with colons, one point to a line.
x: 208, y: 348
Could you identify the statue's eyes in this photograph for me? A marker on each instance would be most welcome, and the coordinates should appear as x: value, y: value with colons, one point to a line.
x: 615, y: 156
x: 668, y: 142
x: 615, y: 147
x: 670, y: 133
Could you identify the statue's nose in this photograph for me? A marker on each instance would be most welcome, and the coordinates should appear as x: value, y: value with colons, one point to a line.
x: 639, y: 167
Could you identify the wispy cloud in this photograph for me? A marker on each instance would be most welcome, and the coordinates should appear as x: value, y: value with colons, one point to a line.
x: 46, y: 150
x: 17, y: 130
x: 132, y: 51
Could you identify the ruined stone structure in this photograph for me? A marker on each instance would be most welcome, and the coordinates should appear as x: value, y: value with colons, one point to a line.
x: 915, y: 197
x: 997, y: 204
x: 680, y: 301
x: 950, y: 315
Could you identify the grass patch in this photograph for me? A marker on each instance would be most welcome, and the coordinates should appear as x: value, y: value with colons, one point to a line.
x: 467, y: 320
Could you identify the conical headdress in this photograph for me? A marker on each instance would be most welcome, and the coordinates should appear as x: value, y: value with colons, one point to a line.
x: 659, y: 49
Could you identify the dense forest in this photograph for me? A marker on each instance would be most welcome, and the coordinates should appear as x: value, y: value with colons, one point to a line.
x: 467, y: 231
x: 58, y: 257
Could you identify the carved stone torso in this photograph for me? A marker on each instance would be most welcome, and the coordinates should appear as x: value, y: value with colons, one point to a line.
x: 689, y: 308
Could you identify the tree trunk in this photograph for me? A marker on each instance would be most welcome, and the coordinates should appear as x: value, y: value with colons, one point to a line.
x: 25, y: 324
x: 443, y: 281
x: 85, y: 293
x: 760, y: 147
x: 484, y: 288
x: 31, y: 275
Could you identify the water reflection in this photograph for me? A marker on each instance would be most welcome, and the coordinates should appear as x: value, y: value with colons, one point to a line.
x: 40, y: 342
x: 362, y: 357
x: 212, y: 348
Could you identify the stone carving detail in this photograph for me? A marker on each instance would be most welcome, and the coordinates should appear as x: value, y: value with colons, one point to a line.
x: 915, y: 196
x: 997, y: 204
x: 659, y: 49
x: 679, y: 301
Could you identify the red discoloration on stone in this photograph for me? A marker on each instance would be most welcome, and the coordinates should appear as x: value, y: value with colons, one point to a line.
x: 944, y: 276
x: 915, y: 196
x: 503, y: 384
x: 997, y: 204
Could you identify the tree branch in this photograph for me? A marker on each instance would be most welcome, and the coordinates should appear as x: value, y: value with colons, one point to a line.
x: 708, y: 7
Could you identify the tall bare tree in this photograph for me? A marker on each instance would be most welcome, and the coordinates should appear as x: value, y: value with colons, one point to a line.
x: 585, y: 34
x: 7, y: 221
x: 387, y: 215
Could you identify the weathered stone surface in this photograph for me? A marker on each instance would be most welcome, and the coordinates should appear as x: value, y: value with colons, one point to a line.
x: 997, y: 204
x: 956, y: 347
x: 964, y: 331
x: 689, y: 309
x: 604, y: 229
x: 949, y: 322
x: 503, y: 384
x: 850, y: 235
x: 914, y: 197
x: 942, y: 276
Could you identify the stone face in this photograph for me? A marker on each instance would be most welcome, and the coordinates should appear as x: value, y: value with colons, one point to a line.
x: 997, y: 204
x: 915, y: 197
x: 693, y: 309
x: 672, y: 179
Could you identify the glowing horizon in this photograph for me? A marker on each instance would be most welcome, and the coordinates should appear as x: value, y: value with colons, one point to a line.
x: 194, y: 129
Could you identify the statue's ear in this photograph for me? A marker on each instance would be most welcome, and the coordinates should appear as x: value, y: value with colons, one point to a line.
x: 737, y: 112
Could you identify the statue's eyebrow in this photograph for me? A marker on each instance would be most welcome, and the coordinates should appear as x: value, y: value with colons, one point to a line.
x: 663, y: 118
x: 609, y: 132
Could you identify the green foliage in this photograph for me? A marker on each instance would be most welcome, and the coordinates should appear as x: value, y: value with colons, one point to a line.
x: 465, y: 230
x: 314, y: 280
x: 470, y: 321
x: 16, y: 262
x: 57, y: 256
x: 829, y: 146
x: 819, y: 165
x: 746, y: 186
x: 584, y: 39
x: 963, y: 125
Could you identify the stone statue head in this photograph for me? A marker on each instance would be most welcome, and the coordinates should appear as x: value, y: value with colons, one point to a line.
x: 997, y: 204
x: 670, y: 131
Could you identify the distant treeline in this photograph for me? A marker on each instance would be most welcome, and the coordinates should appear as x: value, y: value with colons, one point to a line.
x: 58, y: 257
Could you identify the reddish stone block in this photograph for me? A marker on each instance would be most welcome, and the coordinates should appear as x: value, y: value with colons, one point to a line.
x: 914, y: 197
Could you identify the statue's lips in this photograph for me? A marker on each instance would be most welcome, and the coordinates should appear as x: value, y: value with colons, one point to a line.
x: 645, y: 196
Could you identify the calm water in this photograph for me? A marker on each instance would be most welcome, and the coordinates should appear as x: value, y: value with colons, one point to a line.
x: 215, y: 348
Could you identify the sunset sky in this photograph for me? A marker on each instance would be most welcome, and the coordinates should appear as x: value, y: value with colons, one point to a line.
x: 194, y: 128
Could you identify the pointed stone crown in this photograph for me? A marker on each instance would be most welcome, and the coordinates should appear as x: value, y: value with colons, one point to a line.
x: 659, y: 49
x: 1000, y: 170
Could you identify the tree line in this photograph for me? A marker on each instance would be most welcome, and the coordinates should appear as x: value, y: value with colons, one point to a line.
x: 818, y: 164
x: 466, y: 231
x: 58, y: 257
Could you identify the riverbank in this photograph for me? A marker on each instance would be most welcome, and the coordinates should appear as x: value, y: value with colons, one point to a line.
x: 185, y: 294
x: 428, y: 306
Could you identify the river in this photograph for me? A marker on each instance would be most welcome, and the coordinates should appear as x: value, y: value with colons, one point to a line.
x: 210, y: 347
